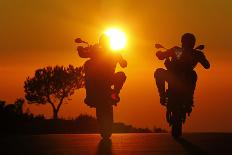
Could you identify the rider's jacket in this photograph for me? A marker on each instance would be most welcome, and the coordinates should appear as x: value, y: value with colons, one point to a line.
x: 100, y: 68
x: 105, y: 61
x: 181, y: 60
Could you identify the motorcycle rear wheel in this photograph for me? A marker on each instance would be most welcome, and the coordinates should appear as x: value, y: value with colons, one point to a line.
x: 176, y: 125
x: 105, y: 120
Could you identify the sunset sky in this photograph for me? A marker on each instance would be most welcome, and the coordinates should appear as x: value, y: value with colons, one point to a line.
x: 39, y: 33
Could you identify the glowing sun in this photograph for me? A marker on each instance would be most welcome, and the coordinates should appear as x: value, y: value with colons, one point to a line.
x: 117, y: 39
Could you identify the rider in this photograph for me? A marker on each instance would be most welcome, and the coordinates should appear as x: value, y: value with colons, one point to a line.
x: 100, y: 71
x: 183, y: 61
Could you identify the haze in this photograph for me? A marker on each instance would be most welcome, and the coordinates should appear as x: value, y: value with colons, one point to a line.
x: 38, y: 33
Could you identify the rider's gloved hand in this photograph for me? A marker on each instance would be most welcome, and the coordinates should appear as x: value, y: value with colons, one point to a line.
x: 123, y: 64
x: 80, y: 48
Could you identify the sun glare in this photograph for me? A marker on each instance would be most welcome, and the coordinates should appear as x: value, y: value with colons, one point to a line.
x: 117, y: 39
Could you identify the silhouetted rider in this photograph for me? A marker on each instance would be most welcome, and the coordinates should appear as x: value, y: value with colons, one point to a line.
x: 100, y: 71
x: 180, y: 62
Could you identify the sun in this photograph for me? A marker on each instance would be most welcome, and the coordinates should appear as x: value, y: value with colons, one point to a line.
x: 117, y: 39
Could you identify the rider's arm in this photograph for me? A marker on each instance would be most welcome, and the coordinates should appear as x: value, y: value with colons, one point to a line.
x: 163, y: 55
x: 83, y: 52
x: 202, y: 59
x: 87, y: 52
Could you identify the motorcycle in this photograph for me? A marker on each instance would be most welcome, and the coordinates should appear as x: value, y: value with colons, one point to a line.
x: 101, y: 101
x: 177, y: 101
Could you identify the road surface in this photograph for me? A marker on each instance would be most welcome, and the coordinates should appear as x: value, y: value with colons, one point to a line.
x: 154, y: 144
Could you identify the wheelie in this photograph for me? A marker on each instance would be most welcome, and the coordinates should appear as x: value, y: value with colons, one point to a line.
x: 102, y: 84
x: 181, y: 79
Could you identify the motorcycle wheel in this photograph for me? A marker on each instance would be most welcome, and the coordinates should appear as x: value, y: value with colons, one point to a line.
x: 176, y: 125
x: 105, y: 120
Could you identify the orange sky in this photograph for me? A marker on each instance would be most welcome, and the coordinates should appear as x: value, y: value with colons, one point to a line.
x: 36, y: 34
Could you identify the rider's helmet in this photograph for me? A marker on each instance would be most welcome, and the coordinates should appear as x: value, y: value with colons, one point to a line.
x: 188, y: 40
x: 104, y: 41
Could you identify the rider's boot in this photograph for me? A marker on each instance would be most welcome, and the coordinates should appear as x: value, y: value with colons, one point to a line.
x: 115, y: 97
x: 159, y: 76
x: 189, y: 105
x: 118, y: 81
x: 163, y: 99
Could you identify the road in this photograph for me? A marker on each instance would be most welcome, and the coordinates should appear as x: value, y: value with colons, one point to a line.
x: 154, y: 144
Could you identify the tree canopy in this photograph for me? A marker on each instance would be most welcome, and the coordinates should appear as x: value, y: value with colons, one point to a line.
x: 52, y: 85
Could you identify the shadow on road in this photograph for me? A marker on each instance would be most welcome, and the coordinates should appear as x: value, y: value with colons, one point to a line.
x: 104, y: 147
x: 190, y: 148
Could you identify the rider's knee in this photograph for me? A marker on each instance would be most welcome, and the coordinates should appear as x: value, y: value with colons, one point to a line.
x: 159, y: 73
x: 121, y: 76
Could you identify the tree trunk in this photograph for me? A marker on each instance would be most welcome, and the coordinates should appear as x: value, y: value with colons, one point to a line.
x: 55, y: 114
x: 55, y: 111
